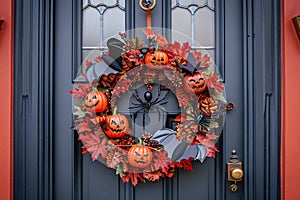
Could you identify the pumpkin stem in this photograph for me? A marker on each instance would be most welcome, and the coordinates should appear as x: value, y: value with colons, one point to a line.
x: 94, y: 89
x: 140, y: 141
x: 115, y: 111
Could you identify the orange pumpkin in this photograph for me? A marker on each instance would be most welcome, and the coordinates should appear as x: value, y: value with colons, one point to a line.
x: 139, y: 156
x: 156, y: 60
x: 95, y: 101
x: 195, y: 83
x: 116, y: 126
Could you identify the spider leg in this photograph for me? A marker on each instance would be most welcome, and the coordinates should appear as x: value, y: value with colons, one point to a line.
x: 161, y: 101
x: 136, y: 96
x: 136, y: 106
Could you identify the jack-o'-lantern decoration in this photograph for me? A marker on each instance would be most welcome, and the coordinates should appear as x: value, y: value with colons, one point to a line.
x: 207, y: 105
x: 156, y: 60
x: 95, y: 101
x: 139, y: 156
x: 195, y: 83
x: 116, y: 125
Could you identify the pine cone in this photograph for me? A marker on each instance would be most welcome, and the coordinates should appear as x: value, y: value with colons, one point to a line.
x: 208, y: 105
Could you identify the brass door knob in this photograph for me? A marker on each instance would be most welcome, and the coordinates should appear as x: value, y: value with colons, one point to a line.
x: 235, y: 171
x: 237, y: 174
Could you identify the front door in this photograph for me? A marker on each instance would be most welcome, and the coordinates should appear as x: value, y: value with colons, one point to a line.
x: 225, y: 30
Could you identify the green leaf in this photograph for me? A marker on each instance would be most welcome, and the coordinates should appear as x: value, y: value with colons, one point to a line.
x: 119, y: 170
x: 208, y: 74
x: 79, y: 112
x: 189, y: 110
x: 214, y: 124
x: 138, y: 43
x: 218, y: 95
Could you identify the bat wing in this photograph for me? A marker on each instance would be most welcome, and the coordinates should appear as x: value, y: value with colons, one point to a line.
x: 179, y: 150
x: 112, y: 63
x: 115, y: 47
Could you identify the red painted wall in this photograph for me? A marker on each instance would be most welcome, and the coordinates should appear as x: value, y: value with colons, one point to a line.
x: 6, y: 83
x: 290, y: 163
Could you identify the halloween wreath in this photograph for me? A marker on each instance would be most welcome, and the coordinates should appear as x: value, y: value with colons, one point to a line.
x: 117, y: 113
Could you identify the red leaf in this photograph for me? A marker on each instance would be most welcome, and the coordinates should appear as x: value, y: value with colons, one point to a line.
x: 133, y: 177
x: 213, y: 82
x: 93, y: 145
x: 84, y: 127
x: 180, y: 50
x: 161, y: 40
x: 153, y: 176
x: 81, y: 91
x: 161, y: 161
x: 211, y: 136
x: 121, y: 87
x: 88, y: 63
x: 187, y: 164
x: 204, y: 61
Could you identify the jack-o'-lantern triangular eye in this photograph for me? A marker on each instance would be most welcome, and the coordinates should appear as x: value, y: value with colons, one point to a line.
x: 113, y: 122
x: 94, y: 97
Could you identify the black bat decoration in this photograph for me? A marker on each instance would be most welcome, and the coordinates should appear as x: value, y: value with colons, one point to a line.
x: 191, y: 66
x: 179, y: 150
x: 114, y: 59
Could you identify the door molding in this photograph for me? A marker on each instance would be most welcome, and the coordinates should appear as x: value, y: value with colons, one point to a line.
x: 33, y: 100
x: 262, y: 93
x: 33, y: 81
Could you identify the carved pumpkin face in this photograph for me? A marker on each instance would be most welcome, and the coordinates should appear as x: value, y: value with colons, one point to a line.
x: 139, y: 156
x: 117, y: 126
x: 95, y: 101
x: 156, y: 60
x: 195, y: 83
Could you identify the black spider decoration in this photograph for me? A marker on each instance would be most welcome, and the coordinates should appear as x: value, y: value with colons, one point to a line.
x: 203, y: 122
x: 144, y: 99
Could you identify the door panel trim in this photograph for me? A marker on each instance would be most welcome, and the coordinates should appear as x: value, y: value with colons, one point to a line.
x: 33, y: 103
x: 262, y: 91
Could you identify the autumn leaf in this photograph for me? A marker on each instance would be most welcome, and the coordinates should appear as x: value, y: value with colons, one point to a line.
x: 120, y: 170
x: 212, y: 136
x: 114, y: 158
x: 138, y: 43
x: 79, y: 111
x: 133, y: 178
x: 217, y: 95
x: 149, y: 32
x: 93, y: 145
x: 88, y: 63
x: 153, y: 176
x: 213, y: 82
x: 98, y: 59
x: 204, y: 61
x: 187, y: 164
x: 179, y: 50
x: 81, y: 91
x: 161, y: 40
x: 161, y: 161
x: 84, y: 127
x: 213, y: 124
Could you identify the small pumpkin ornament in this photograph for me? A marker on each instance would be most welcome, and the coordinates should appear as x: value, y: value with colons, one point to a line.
x: 207, y: 105
x: 95, y: 101
x: 156, y: 60
x: 116, y: 125
x: 195, y: 83
x: 139, y: 156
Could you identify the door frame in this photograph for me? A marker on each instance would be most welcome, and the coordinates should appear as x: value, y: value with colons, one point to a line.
x: 33, y: 100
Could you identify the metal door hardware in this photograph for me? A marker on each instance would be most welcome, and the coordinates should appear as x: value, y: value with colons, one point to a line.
x: 147, y: 4
x: 235, y: 171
